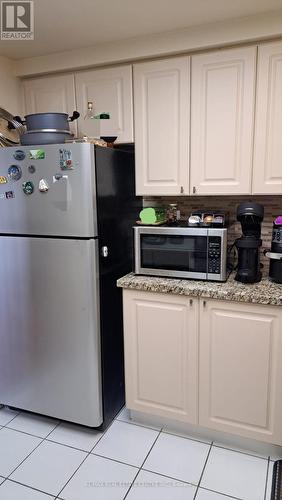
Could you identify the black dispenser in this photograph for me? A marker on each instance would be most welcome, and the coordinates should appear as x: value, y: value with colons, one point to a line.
x: 275, y: 255
x: 250, y: 215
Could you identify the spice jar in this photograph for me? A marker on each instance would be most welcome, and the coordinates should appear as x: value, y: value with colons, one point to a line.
x: 172, y: 213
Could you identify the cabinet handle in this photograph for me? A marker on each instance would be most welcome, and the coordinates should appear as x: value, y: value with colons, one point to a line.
x: 204, y: 303
x: 191, y: 302
x: 194, y: 189
x: 182, y: 190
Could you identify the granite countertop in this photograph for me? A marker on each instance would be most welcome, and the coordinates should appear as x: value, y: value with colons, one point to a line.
x: 264, y: 292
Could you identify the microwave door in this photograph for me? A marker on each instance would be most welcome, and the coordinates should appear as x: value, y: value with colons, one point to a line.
x: 173, y: 255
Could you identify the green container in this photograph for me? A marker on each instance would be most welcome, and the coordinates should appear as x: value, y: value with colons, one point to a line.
x: 152, y: 215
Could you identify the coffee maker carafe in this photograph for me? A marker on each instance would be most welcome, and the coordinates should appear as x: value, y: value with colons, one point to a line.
x: 275, y: 266
x: 248, y: 245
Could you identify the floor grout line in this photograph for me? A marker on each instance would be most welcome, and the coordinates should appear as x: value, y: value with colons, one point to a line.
x: 88, y: 454
x: 29, y: 434
x: 140, y: 468
x: 42, y: 439
x: 267, y: 473
x: 201, y: 476
x: 92, y: 452
x: 11, y: 418
x: 169, y: 477
x: 30, y: 487
x: 219, y: 493
x: 138, y: 424
x: 241, y: 451
x: 191, y: 438
x: 199, y: 440
x: 115, y: 460
x: 208, y: 443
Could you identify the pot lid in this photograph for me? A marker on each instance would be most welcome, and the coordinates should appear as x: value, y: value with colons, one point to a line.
x: 9, y: 136
x: 47, y: 113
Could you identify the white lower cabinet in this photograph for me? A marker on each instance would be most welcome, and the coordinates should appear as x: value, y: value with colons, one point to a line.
x: 241, y: 369
x: 235, y: 347
x: 161, y: 354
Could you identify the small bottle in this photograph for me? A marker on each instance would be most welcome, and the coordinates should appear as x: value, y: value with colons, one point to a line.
x: 172, y: 213
x: 90, y: 111
x: 92, y: 125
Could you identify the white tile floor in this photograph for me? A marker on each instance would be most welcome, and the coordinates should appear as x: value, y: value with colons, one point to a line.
x: 43, y: 459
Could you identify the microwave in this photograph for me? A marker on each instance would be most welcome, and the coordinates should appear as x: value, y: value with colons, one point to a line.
x: 181, y: 252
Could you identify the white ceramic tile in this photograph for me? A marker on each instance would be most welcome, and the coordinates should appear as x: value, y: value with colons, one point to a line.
x: 178, y: 457
x: 100, y: 479
x: 180, y: 433
x: 154, y: 487
x: 76, y: 436
x: 49, y: 467
x: 33, y: 424
x: 7, y: 415
x: 150, y: 422
x: 126, y: 443
x: 15, y: 447
x: 14, y: 491
x: 235, y: 474
x: 210, y: 495
x: 241, y: 449
x: 269, y: 481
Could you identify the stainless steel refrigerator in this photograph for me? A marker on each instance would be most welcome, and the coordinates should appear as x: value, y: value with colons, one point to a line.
x: 66, y: 213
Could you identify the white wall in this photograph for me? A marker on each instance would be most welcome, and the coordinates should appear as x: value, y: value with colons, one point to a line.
x: 242, y: 30
x: 10, y: 92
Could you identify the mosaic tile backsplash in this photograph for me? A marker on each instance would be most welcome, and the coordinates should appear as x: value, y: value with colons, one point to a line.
x: 272, y: 207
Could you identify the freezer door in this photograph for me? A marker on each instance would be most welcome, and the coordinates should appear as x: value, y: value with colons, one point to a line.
x: 49, y: 335
x: 48, y: 190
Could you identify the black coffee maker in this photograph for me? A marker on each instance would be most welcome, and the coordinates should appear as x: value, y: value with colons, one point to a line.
x: 250, y: 215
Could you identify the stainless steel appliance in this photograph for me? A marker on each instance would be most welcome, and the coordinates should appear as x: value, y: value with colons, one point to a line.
x: 65, y: 237
x: 181, y: 252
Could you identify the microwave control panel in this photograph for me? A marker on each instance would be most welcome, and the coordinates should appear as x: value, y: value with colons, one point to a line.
x: 214, y: 255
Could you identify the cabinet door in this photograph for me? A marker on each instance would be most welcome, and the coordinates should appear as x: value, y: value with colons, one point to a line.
x: 267, y: 172
x: 241, y: 369
x: 222, y: 117
x: 52, y: 94
x: 161, y: 114
x: 161, y: 354
x: 110, y: 90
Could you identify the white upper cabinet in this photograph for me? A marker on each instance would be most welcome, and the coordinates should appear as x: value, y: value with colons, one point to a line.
x: 267, y: 170
x: 110, y: 90
x: 161, y: 114
x: 222, y: 120
x: 53, y: 94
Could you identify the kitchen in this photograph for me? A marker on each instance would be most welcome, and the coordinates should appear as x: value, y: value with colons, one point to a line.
x: 179, y: 114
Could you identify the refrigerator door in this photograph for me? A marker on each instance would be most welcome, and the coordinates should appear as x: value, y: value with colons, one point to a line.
x: 117, y: 208
x: 49, y: 334
x: 48, y: 190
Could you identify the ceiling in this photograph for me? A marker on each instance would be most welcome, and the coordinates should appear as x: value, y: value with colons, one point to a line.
x: 72, y: 24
